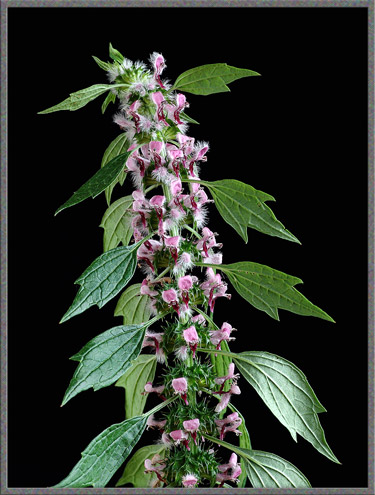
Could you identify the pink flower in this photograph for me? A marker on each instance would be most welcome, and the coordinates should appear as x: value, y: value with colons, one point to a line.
x: 169, y: 296
x: 158, y: 63
x: 214, y: 288
x: 225, y: 398
x: 149, y: 389
x: 230, y: 423
x: 191, y: 426
x: 146, y: 290
x: 231, y: 375
x: 185, y: 283
x: 160, y: 102
x: 157, y: 200
x: 180, y: 387
x: 180, y: 436
x: 152, y: 423
x: 230, y: 471
x: 191, y: 337
x: 153, y: 339
x: 189, y: 480
x: 150, y: 467
x: 172, y: 241
x: 181, y: 104
x: 175, y: 186
x: 218, y: 336
x: 199, y: 319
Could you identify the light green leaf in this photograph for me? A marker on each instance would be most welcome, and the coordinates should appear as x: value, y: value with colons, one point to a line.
x: 220, y: 363
x: 110, y: 98
x: 98, y: 182
x: 287, y: 393
x: 266, y: 470
x: 80, y: 98
x: 244, y: 441
x: 188, y: 119
x: 103, y: 65
x: 209, y: 79
x: 105, y: 358
x: 134, y: 472
x: 117, y: 147
x: 132, y: 306
x: 105, y: 454
x: 104, y: 279
x: 268, y: 289
x: 115, y: 54
x: 242, y: 206
x: 134, y: 380
x: 116, y: 224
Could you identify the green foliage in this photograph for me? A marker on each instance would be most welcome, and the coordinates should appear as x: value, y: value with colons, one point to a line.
x: 142, y: 370
x: 115, y: 54
x: 269, y: 290
x: 244, y: 441
x: 80, y: 98
x: 132, y: 306
x: 104, y: 279
x: 134, y: 472
x: 116, y: 224
x: 210, y: 79
x: 110, y: 98
x: 286, y: 391
x: 105, y: 454
x: 103, y: 65
x: 242, y: 206
x: 105, y: 358
x: 98, y: 182
x: 117, y: 147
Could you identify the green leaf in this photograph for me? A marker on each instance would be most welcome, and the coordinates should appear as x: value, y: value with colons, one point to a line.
x: 115, y: 54
x: 134, y: 472
x: 134, y: 380
x: 105, y: 454
x: 105, y: 358
x: 244, y: 441
x: 188, y: 119
x: 103, y: 65
x: 242, y: 206
x: 266, y: 470
x: 116, y: 224
x: 80, y: 98
x: 98, y: 182
x: 104, y: 279
x: 268, y: 289
x: 110, y: 98
x: 117, y: 147
x: 132, y: 306
x: 220, y: 363
x: 287, y: 393
x: 209, y: 79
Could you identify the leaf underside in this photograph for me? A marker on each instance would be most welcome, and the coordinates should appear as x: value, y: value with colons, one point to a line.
x: 132, y: 306
x: 269, y: 290
x: 286, y: 391
x: 105, y: 454
x: 105, y: 358
x: 98, y: 182
x: 209, y: 79
x: 134, y: 472
x: 104, y: 279
x: 242, y: 206
x: 116, y: 223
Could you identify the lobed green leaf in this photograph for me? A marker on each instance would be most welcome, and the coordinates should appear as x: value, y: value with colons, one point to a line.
x: 242, y: 206
x: 118, y: 146
x: 286, y: 391
x: 134, y: 472
x: 116, y: 224
x: 105, y: 454
x: 105, y: 358
x: 268, y: 289
x: 104, y: 279
x: 132, y: 306
x: 134, y: 380
x: 209, y: 79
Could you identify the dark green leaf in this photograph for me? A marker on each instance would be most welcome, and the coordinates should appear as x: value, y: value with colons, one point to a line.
x: 116, y: 224
x: 103, y: 65
x: 134, y: 380
x: 286, y: 391
x: 110, y: 98
x: 80, y: 98
x: 115, y: 54
x: 104, y: 279
x: 117, y: 147
x: 98, y: 182
x: 105, y: 454
x: 242, y: 206
x: 269, y: 290
x: 132, y: 306
x: 209, y: 79
x: 134, y: 472
x: 266, y: 470
x: 105, y: 358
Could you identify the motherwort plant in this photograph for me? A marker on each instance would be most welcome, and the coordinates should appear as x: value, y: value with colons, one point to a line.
x: 168, y: 319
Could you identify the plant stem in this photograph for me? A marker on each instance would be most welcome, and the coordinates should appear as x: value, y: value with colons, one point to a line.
x: 187, y: 227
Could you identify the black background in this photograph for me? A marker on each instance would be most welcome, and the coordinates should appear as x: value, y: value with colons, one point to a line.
x: 297, y: 132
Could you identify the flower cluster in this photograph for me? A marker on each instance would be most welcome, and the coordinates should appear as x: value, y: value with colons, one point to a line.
x: 171, y: 224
